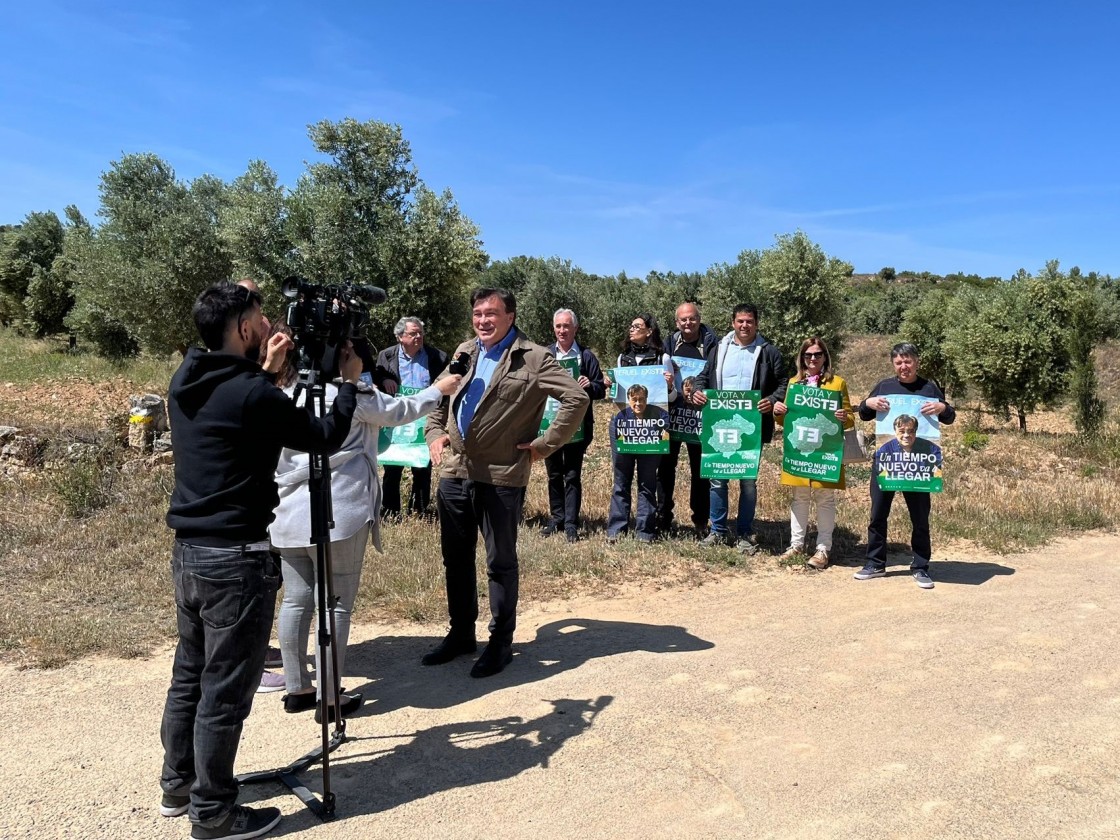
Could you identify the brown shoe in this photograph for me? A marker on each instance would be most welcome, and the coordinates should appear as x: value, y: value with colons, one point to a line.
x: 819, y: 560
x: 789, y: 554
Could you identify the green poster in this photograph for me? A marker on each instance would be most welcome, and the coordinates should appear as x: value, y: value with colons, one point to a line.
x: 812, y: 437
x: 552, y: 405
x: 407, y: 447
x: 647, y: 434
x: 684, y: 418
x: 731, y: 443
x: 908, y: 456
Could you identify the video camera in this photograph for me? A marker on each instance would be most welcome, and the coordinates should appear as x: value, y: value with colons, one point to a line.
x: 324, y: 317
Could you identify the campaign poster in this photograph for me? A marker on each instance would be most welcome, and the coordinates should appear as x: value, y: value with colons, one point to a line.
x: 731, y: 441
x: 908, y: 451
x: 406, y: 443
x: 552, y: 405
x: 812, y: 437
x: 684, y: 417
x: 652, y: 376
x: 647, y: 434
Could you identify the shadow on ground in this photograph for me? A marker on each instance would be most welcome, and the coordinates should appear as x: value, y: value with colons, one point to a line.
x: 397, y: 679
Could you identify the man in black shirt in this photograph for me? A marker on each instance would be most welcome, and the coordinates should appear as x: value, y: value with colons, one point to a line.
x: 691, y: 340
x: 228, y: 423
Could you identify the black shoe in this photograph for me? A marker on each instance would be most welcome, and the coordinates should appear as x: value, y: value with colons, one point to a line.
x: 350, y: 704
x: 549, y: 529
x: 494, y: 658
x: 240, y: 824
x: 299, y: 702
x: 451, y: 647
x: 572, y: 536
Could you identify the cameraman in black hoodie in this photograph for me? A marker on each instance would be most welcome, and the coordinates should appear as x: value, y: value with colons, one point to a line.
x: 229, y: 422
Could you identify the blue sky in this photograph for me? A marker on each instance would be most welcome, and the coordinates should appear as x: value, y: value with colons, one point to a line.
x: 629, y: 136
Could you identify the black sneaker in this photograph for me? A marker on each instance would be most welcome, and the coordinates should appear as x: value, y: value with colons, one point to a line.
x: 174, y: 804
x: 273, y: 659
x: 240, y: 824
x: 495, y: 657
x: 870, y: 571
x: 453, y: 645
x: 350, y: 704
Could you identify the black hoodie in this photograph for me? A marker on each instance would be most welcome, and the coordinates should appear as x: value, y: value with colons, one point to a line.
x: 228, y: 425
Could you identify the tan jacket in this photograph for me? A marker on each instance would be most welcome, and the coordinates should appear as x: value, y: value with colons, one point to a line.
x: 509, y: 413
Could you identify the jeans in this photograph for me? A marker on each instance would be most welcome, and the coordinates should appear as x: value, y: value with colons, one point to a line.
x: 565, y: 485
x: 918, y: 504
x: 298, y: 607
x: 419, y: 497
x: 224, y: 600
x: 465, y: 508
x: 799, y: 516
x: 748, y: 496
x: 699, y: 488
x: 618, y: 520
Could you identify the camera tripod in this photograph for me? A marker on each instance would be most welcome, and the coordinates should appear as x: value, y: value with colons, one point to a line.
x: 319, y: 487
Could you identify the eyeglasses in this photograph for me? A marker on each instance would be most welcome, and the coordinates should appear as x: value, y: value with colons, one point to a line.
x: 638, y: 327
x: 818, y: 355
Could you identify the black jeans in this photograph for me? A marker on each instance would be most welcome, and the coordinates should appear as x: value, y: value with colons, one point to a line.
x: 224, y: 599
x: 625, y: 467
x: 419, y: 498
x: 465, y: 508
x: 699, y: 488
x: 918, y: 504
x: 565, y: 485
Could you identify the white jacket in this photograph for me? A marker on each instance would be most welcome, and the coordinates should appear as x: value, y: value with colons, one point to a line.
x: 355, y: 487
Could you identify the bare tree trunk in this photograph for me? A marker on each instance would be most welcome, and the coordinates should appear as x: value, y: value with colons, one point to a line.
x: 1022, y: 419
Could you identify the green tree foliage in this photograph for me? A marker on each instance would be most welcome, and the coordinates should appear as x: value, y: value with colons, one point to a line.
x: 725, y: 285
x: 1085, y: 325
x: 665, y: 291
x: 365, y: 217
x: 157, y: 248
x: 27, y: 254
x: 541, y: 286
x: 613, y: 304
x: 1012, y: 343
x: 252, y: 223
x: 926, y: 324
x: 801, y: 293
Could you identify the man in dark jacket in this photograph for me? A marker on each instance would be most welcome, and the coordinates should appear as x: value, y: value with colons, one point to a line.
x: 229, y: 423
x: 415, y: 365
x: 565, y: 465
x: 691, y: 340
x: 743, y: 361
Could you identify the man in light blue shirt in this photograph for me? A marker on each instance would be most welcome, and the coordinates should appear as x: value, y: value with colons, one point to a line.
x: 743, y: 361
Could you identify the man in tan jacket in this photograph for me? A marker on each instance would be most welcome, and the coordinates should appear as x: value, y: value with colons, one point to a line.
x: 484, y: 440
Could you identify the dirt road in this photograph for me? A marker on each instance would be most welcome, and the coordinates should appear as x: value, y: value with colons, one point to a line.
x: 772, y: 705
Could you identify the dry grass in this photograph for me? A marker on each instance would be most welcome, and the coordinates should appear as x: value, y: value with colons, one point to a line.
x: 70, y: 587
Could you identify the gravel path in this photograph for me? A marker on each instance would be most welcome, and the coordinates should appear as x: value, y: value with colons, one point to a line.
x: 771, y: 705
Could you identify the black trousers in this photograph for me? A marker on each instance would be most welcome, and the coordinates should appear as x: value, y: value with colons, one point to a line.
x: 565, y: 485
x: 918, y: 504
x: 467, y: 508
x: 419, y: 498
x: 698, y: 500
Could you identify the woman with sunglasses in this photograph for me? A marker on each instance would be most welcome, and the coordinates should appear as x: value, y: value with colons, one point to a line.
x: 641, y: 347
x: 814, y: 367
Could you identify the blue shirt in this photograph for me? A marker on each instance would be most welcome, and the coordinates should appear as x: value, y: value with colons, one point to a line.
x: 483, y: 372
x: 738, y: 365
x: 414, y: 372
